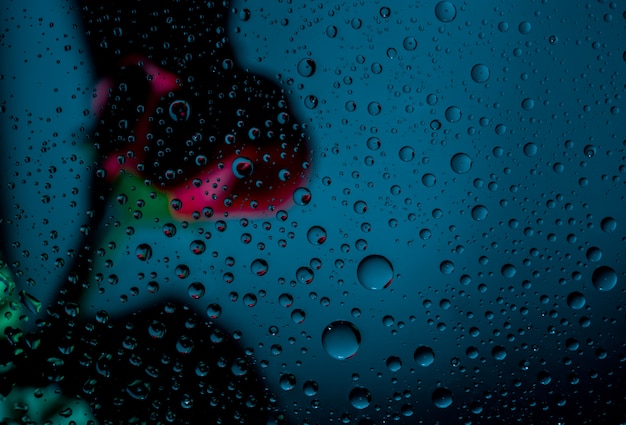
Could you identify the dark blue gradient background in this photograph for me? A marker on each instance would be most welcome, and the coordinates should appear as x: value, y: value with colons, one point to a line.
x: 513, y: 269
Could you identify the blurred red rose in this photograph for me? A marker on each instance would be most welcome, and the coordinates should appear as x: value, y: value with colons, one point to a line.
x: 219, y: 142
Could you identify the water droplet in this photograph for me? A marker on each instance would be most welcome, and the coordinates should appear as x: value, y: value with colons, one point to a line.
x: 250, y: 300
x: 304, y: 275
x: 360, y: 207
x: 375, y: 272
x: 429, y: 180
x: 445, y: 11
x: 298, y: 316
x: 341, y: 339
x: 530, y: 149
x: 407, y: 153
x: 461, y: 163
x: 242, y: 167
x: 259, y: 267
x: 373, y: 143
x: 453, y: 114
x: 302, y: 196
x: 179, y: 110
x: 498, y: 352
x: 446, y: 267
x: 143, y: 252
x: 594, y: 254
x: 182, y: 271
x: 311, y: 101
x: 285, y: 300
x: 508, y: 270
x: 590, y: 151
x: 214, y: 311
x: 394, y: 363
x: 480, y: 212
x: 244, y: 15
x: 287, y: 381
x: 169, y: 230
x: 310, y: 388
x: 480, y: 73
x: 576, y: 300
x: 385, y: 12
x: 608, y: 224
x: 528, y: 104
x: 197, y: 247
x: 184, y: 345
x: 524, y: 27
x: 604, y: 278
x: 306, y: 67
x: 360, y: 398
x: 442, y: 398
x: 316, y: 235
x: 409, y: 43
x: 195, y: 290
x: 139, y: 390
x: 424, y: 356
x: 374, y: 108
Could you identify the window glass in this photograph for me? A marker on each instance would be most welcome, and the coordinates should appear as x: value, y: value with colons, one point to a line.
x: 312, y: 212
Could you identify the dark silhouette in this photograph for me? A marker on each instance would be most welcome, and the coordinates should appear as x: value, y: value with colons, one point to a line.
x: 174, y: 109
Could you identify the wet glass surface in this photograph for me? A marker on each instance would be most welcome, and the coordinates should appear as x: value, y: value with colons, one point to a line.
x: 319, y: 212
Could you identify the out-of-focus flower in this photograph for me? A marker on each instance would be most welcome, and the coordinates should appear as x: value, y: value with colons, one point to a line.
x: 227, y: 145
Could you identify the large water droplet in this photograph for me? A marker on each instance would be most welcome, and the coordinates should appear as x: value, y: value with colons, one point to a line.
x: 179, y: 110
x: 480, y: 212
x: 302, y: 196
x: 604, y: 278
x: 196, y: 290
x: 461, y: 163
x: 409, y: 43
x: 453, y: 114
x: 242, y: 167
x: 360, y: 398
x: 442, y: 398
x: 306, y: 67
x: 259, y: 267
x: 304, y: 275
x: 445, y: 11
x: 498, y: 352
x: 608, y: 224
x: 316, y: 235
x: 576, y: 300
x: 288, y: 381
x: 310, y: 388
x: 341, y: 339
x: 480, y: 73
x: 375, y: 272
x: 143, y: 252
x: 424, y: 356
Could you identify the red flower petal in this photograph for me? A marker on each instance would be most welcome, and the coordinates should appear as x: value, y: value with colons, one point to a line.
x: 250, y: 177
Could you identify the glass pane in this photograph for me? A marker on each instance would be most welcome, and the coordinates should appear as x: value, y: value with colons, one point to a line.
x: 312, y: 213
